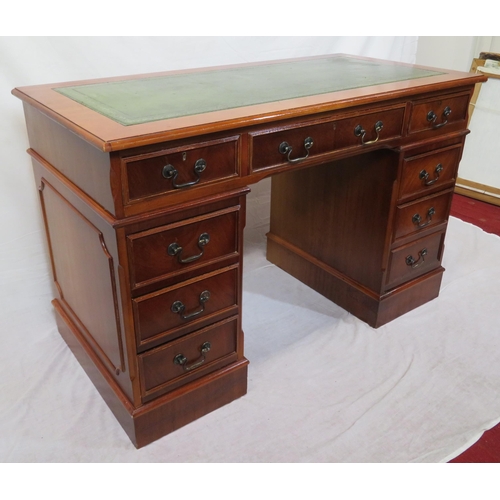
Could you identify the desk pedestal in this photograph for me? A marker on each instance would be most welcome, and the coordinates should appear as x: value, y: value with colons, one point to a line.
x: 333, y: 228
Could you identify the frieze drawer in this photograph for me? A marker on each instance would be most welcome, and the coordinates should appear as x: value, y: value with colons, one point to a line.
x: 294, y: 144
x: 369, y: 128
x: 174, y: 169
x: 436, y: 114
x: 291, y: 144
x: 176, y: 248
x: 172, y: 365
x: 181, y: 309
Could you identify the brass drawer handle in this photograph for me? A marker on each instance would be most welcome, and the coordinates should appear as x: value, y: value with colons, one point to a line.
x: 359, y: 131
x: 178, y: 307
x: 432, y: 117
x: 417, y: 220
x: 410, y: 261
x: 170, y: 172
x: 286, y: 149
x: 181, y: 360
x: 175, y: 249
x: 424, y: 175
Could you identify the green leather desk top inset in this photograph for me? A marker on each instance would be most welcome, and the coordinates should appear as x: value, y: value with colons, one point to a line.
x: 131, y: 102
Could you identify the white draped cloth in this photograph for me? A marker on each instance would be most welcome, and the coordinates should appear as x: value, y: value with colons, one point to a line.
x: 323, y: 386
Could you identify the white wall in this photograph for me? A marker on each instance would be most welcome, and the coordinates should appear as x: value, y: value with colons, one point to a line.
x: 479, y: 163
x: 454, y: 52
x: 449, y: 52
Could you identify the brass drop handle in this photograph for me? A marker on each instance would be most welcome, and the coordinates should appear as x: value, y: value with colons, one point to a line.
x: 417, y: 220
x: 181, y: 360
x: 432, y: 117
x: 170, y: 172
x: 359, y: 131
x: 410, y: 261
x: 424, y: 175
x: 286, y: 149
x: 174, y: 249
x: 178, y: 307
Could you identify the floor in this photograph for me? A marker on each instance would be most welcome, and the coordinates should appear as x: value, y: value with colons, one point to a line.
x: 487, y: 217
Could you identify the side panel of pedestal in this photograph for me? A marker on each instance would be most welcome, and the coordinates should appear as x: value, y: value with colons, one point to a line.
x: 92, y: 317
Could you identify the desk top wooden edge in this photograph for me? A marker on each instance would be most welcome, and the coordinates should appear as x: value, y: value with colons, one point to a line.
x: 109, y: 135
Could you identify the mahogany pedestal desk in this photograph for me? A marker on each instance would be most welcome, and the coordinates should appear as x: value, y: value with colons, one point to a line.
x: 143, y: 181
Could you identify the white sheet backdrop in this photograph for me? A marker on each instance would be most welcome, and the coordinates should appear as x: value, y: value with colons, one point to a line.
x: 35, y: 366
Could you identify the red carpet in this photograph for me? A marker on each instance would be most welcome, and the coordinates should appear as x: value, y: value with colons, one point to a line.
x: 484, y: 215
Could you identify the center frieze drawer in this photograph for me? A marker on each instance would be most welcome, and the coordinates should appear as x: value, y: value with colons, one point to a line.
x: 180, y: 309
x: 177, y: 363
x: 369, y: 128
x: 172, y: 169
x: 291, y: 144
x: 414, y: 259
x: 182, y: 246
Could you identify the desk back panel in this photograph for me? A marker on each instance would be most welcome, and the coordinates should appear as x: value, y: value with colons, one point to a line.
x: 338, y: 213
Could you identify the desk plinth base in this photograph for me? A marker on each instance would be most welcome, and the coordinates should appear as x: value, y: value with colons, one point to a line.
x: 374, y: 309
x: 160, y: 417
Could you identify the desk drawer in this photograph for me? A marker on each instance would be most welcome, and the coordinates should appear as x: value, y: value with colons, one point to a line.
x: 169, y: 366
x: 414, y: 259
x: 174, y: 169
x: 296, y: 143
x: 425, y: 213
x: 180, y: 309
x: 426, y: 173
x: 434, y: 114
x: 290, y: 144
x: 192, y: 244
x: 369, y: 128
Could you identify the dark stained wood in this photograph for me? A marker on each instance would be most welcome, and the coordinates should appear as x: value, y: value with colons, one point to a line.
x: 340, y: 222
x: 81, y: 259
x: 391, y: 118
x: 148, y: 422
x: 423, y: 214
x: 426, y: 256
x: 175, y: 409
x: 156, y: 321
x: 374, y: 309
x: 144, y: 173
x: 414, y: 183
x: 81, y: 163
x: 457, y: 103
x: 338, y: 213
x: 328, y: 136
x: 266, y: 142
x: 160, y: 373
x: 148, y: 250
